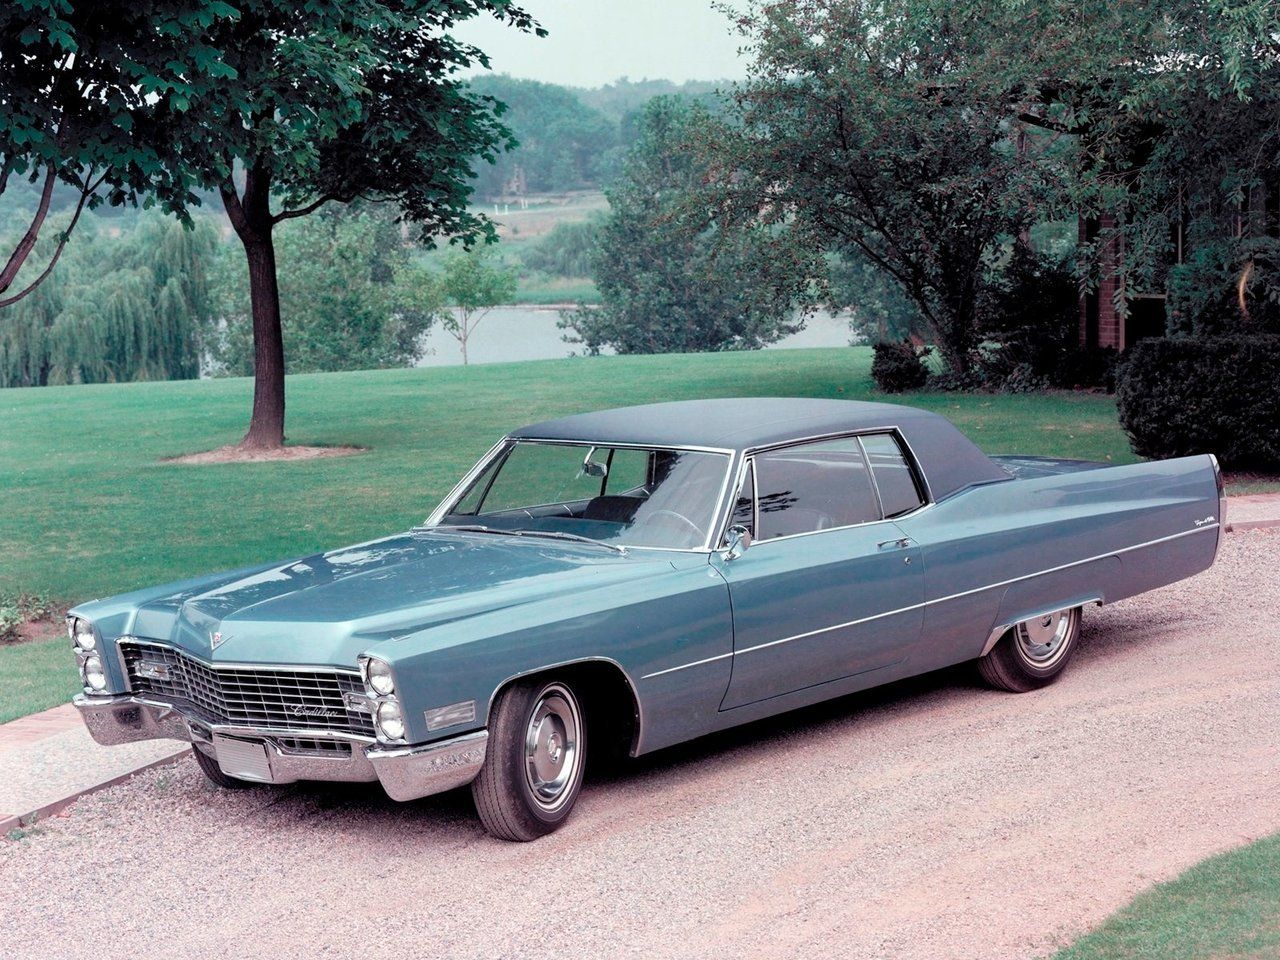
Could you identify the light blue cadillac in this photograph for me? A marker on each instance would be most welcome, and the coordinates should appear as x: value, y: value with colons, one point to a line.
x: 639, y: 577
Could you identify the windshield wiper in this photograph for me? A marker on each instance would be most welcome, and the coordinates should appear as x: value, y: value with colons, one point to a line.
x: 549, y: 534
x: 561, y: 535
x: 458, y: 527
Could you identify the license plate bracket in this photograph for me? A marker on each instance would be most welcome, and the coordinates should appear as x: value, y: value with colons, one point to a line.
x: 243, y: 759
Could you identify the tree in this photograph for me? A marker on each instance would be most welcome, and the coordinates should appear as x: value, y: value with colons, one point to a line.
x: 350, y: 297
x: 84, y: 87
x: 330, y: 102
x: 472, y: 286
x: 672, y: 277
x: 561, y: 141
x: 878, y: 309
x: 134, y: 306
x: 1171, y: 108
x: 888, y: 129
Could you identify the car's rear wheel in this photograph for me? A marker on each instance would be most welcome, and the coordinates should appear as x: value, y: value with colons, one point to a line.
x: 532, y: 771
x: 210, y: 767
x: 1032, y: 653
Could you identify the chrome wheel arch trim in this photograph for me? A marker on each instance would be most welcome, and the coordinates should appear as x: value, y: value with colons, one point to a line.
x: 999, y: 631
x: 637, y: 738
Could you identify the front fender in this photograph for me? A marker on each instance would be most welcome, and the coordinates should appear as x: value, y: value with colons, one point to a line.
x: 639, y: 627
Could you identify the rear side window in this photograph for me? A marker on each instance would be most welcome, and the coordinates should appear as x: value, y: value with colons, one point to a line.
x: 895, y: 480
x: 816, y: 486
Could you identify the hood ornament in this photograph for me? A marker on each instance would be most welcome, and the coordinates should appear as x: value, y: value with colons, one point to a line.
x: 216, y: 640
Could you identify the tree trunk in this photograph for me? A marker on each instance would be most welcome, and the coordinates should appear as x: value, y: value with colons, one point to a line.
x: 253, y: 222
x: 266, y: 425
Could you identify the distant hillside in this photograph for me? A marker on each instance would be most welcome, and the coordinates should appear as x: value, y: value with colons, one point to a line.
x: 570, y: 138
x: 618, y: 100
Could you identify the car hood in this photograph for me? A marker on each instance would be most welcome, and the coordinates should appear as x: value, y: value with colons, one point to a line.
x: 327, y: 608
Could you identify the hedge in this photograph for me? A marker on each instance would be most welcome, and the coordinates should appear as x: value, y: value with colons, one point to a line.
x: 898, y: 366
x: 1182, y: 395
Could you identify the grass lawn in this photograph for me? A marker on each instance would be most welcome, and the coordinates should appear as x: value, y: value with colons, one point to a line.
x: 1226, y: 907
x: 35, y: 676
x: 88, y: 509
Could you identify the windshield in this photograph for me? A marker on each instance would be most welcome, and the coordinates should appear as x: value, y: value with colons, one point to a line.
x: 623, y: 496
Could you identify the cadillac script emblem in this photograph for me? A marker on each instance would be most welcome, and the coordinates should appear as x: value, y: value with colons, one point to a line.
x: 216, y: 640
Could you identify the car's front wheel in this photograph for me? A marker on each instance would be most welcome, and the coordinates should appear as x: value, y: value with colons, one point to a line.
x: 532, y: 772
x: 1032, y: 653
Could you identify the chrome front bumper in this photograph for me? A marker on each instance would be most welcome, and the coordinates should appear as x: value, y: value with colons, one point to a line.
x: 406, y: 772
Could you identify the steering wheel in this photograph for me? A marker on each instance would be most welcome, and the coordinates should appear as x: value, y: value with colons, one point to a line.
x: 659, y: 515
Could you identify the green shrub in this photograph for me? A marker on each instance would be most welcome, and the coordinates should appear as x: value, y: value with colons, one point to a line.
x: 350, y: 296
x: 1086, y: 367
x: 1023, y: 379
x: 18, y: 608
x: 1205, y: 292
x: 1030, y: 319
x: 36, y: 606
x: 10, y: 620
x: 1179, y: 396
x: 899, y: 365
x: 566, y: 250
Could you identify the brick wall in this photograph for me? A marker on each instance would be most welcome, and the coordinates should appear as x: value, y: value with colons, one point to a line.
x: 1100, y: 325
x: 1110, y: 324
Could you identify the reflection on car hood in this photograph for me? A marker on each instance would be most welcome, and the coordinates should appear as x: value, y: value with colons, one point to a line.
x: 328, y: 607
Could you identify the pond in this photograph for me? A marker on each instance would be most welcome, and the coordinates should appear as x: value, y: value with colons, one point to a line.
x: 530, y: 333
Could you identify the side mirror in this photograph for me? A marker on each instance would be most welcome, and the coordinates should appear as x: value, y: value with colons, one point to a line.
x: 737, y: 542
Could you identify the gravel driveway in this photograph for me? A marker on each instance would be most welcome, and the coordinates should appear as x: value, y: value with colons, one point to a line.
x: 930, y: 819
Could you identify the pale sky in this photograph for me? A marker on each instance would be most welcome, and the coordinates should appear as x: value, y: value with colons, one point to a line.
x: 594, y: 42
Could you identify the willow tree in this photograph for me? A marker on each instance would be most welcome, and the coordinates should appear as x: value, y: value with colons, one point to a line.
x: 129, y: 307
x: 329, y: 102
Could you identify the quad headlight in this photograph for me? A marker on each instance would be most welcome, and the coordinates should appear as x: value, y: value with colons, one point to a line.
x: 91, y: 670
x: 390, y: 721
x: 84, y: 642
x: 380, y: 685
x: 81, y: 632
x: 378, y: 677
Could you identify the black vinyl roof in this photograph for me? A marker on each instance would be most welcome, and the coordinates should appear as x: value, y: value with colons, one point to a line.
x: 949, y: 460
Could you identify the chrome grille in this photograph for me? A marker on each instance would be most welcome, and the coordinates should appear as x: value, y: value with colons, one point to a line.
x: 252, y: 697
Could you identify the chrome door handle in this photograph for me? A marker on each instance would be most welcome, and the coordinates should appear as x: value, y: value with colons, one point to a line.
x: 901, y: 543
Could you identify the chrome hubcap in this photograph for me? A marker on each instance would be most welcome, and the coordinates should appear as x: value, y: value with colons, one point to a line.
x: 1043, y: 640
x: 551, y: 746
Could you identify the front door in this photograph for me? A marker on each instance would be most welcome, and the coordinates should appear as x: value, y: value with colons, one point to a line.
x: 829, y: 588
